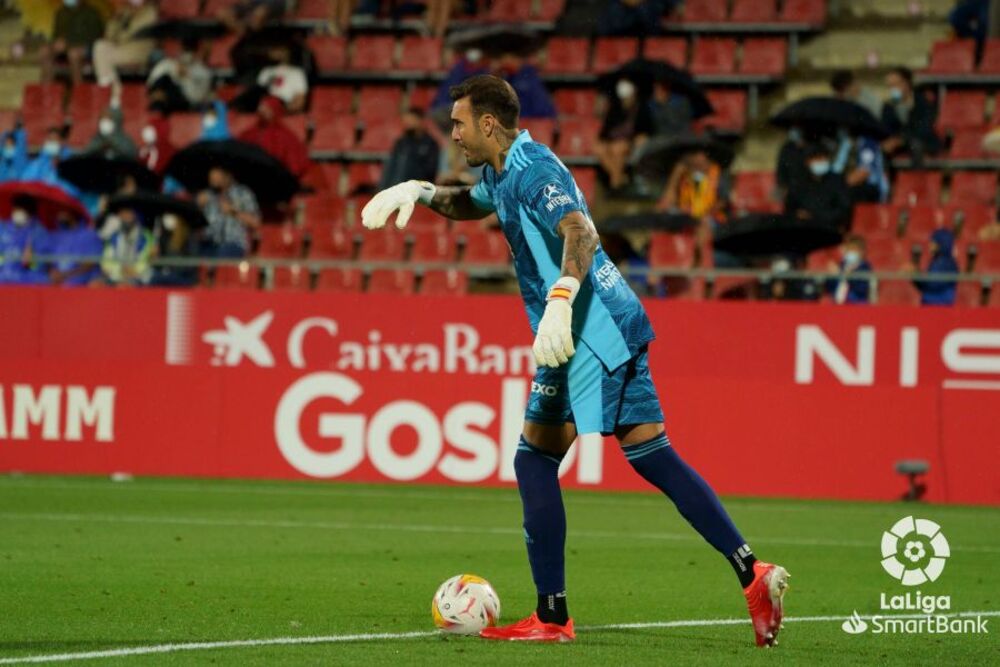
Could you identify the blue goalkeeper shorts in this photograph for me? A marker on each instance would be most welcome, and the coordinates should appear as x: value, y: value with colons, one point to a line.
x: 597, y: 401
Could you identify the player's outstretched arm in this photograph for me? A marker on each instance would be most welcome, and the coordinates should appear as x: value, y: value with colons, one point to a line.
x: 554, y: 340
x: 453, y: 202
x: 456, y: 202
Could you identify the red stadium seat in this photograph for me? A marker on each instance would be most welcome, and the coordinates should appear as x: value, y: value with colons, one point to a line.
x: 754, y: 11
x: 463, y: 229
x: 329, y: 52
x: 987, y: 256
x: 612, y: 52
x: 809, y: 12
x: 734, y: 287
x: 764, y: 55
x: 378, y: 102
x: 671, y: 250
x: 819, y: 260
x: 967, y: 145
x: 923, y: 220
x: 323, y: 177
x: 876, y: 220
x: 280, y: 241
x: 380, y: 135
x: 970, y: 219
x: 432, y: 246
x: 421, y: 54
x: 713, y: 55
x: 41, y: 108
x: 969, y: 294
x: 133, y: 98
x: 340, y: 280
x: 753, y: 191
x: 577, y: 136
x: 363, y: 175
x: 383, y: 245
x: 672, y: 50
x: 422, y: 97
x: 218, y: 55
x: 973, y: 187
x: 510, y: 11
x: 391, y: 281
x: 486, y: 247
x: 180, y: 9
x: 962, y: 255
x: 888, y: 254
x: 426, y: 220
x: 730, y: 111
x: 917, y: 188
x: 334, y: 134
x: 956, y: 56
x: 898, y: 293
x: 550, y: 10
x: 323, y: 210
x: 705, y: 11
x: 962, y: 110
x: 444, y: 282
x: 586, y: 180
x: 575, y: 101
x: 567, y: 55
x: 327, y: 101
x: 292, y: 278
x: 89, y: 98
x: 373, y: 53
x: 331, y: 242
x: 542, y: 130
x: 312, y: 10
x: 242, y: 276
x: 185, y: 128
x: 990, y: 62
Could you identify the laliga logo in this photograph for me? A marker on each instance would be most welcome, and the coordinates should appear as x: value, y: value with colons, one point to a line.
x: 914, y: 551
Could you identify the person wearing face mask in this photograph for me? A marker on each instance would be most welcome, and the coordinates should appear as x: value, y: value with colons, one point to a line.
x: 215, y: 122
x: 45, y: 166
x: 909, y: 117
x: 156, y: 149
x: 22, y: 237
x: 128, y: 252
x: 75, y: 237
x: 698, y: 187
x: 232, y: 211
x: 271, y: 134
x: 75, y: 28
x: 843, y: 288
x: 119, y: 47
x: 822, y: 196
x: 626, y: 126
x: 182, y: 83
x: 942, y: 260
x: 283, y: 80
x: 13, y: 154
x: 414, y: 156
x: 110, y: 139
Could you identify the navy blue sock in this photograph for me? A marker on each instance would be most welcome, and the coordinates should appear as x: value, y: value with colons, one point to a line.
x: 660, y: 465
x: 544, y: 526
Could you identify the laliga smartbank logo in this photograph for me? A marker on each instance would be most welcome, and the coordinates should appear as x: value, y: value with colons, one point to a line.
x: 914, y: 552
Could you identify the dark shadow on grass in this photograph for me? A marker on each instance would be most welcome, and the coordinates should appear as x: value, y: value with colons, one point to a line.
x: 51, y: 646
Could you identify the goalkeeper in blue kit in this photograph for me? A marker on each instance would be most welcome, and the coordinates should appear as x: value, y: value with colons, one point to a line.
x: 591, y: 343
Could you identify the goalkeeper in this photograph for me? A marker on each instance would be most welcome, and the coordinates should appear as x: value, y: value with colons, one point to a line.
x: 591, y: 340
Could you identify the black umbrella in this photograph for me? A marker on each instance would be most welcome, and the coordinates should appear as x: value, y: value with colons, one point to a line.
x: 768, y: 234
x: 97, y: 172
x: 824, y: 116
x: 497, y: 40
x: 661, y: 222
x: 251, y: 165
x: 644, y: 73
x: 182, y: 30
x: 151, y: 205
x: 658, y: 156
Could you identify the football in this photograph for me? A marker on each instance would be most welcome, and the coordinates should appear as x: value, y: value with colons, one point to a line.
x: 464, y: 605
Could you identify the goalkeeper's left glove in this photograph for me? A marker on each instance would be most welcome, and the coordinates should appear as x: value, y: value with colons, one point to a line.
x: 554, y: 340
x: 399, y: 197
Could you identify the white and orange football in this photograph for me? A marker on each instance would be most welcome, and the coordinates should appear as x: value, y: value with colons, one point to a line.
x: 464, y: 605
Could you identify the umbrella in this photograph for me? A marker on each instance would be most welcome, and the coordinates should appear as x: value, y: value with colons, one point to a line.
x: 182, y: 30
x: 151, y: 205
x: 644, y: 73
x: 251, y: 165
x: 658, y: 156
x: 826, y: 115
x: 96, y: 172
x: 770, y: 234
x: 497, y: 40
x: 51, y: 200
x: 661, y: 222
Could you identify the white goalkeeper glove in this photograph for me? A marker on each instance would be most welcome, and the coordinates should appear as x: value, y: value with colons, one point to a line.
x: 402, y: 198
x: 554, y: 341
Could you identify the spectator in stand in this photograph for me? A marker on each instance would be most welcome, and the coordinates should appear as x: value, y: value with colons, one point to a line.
x: 846, y: 87
x: 863, y: 165
x: 822, y: 196
x: 14, y: 154
x: 119, y: 46
x: 21, y: 238
x: 251, y: 15
x: 183, y: 83
x: 791, y: 162
x: 698, y: 187
x: 284, y: 81
x: 470, y: 64
x: 45, y: 166
x: 970, y: 19
x: 626, y: 127
x: 128, y: 253
x: 524, y: 78
x: 843, y: 288
x: 632, y: 18
x: 942, y: 253
x: 232, y: 212
x: 156, y: 149
x: 271, y: 134
x: 909, y: 117
x: 414, y: 156
x: 175, y: 239
x: 75, y: 28
x: 215, y: 122
x: 672, y: 113
x: 111, y: 140
x: 74, y: 237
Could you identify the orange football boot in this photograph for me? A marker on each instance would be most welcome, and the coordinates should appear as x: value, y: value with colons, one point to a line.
x: 764, y: 600
x: 533, y: 630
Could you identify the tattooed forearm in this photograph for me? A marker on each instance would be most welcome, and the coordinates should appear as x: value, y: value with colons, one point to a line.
x: 456, y: 203
x: 579, y: 244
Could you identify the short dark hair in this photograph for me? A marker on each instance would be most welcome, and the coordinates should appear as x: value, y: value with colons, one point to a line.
x: 841, y: 80
x: 904, y: 73
x: 492, y: 95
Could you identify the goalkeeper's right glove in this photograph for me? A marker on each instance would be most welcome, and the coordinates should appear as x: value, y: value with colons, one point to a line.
x: 402, y: 198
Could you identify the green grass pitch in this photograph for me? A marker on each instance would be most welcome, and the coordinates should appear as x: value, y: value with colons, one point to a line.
x: 88, y: 565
